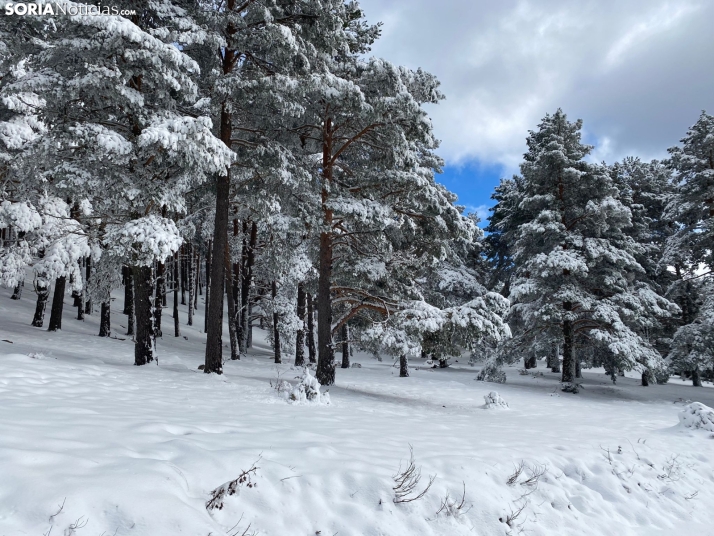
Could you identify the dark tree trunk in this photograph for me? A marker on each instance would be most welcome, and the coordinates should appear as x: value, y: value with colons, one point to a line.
x: 197, y: 280
x: 235, y: 353
x: 568, y: 361
x: 105, y: 321
x: 247, y: 279
x: 645, y: 378
x: 17, y: 292
x: 79, y: 299
x: 555, y: 367
x: 214, y: 342
x: 191, y: 277
x: 311, y: 350
x: 159, y: 298
x: 177, y: 283
x: 128, y: 286
x: 578, y: 368
x: 532, y: 362
x: 130, y: 317
x: 184, y: 274
x: 345, y: 346
x: 249, y: 337
x: 57, y: 304
x: 208, y: 288
x: 276, y: 331
x: 325, y: 372
x: 300, y: 335
x: 696, y: 378
x: 143, y: 349
x: 43, y: 292
x: 403, y: 366
x: 88, y: 301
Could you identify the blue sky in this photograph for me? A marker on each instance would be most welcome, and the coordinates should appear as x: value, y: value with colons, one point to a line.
x: 638, y: 72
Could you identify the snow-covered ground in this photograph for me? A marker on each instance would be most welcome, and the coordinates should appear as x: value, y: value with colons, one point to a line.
x: 122, y: 450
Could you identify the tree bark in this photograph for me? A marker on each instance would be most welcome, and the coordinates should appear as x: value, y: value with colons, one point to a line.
x: 105, y: 321
x: 311, y: 350
x: 325, y: 372
x: 57, y: 304
x: 43, y: 292
x: 645, y: 378
x: 300, y: 335
x: 159, y: 298
x: 214, y: 343
x: 345, y: 346
x: 568, y: 361
x: 197, y: 279
x: 235, y: 353
x: 88, y: 274
x: 177, y: 283
x: 532, y: 362
x: 143, y: 348
x: 208, y: 288
x: 403, y: 366
x: 696, y: 378
x: 246, y: 282
x: 191, y: 277
x: 555, y: 367
x: 128, y: 286
x: 184, y: 274
x: 578, y: 367
x: 81, y: 295
x: 130, y: 317
x: 276, y: 331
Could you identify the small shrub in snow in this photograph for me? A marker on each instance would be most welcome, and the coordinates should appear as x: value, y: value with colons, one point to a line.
x: 219, y: 494
x: 406, y: 482
x: 494, y: 400
x: 697, y: 415
x: 356, y: 365
x: 307, y: 391
x: 491, y: 373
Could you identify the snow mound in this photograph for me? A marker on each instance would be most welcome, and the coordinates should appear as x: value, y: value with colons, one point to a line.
x: 697, y: 415
x: 494, y: 400
x: 307, y: 391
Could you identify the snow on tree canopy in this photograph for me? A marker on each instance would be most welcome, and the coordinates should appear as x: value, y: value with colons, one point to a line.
x: 145, y: 240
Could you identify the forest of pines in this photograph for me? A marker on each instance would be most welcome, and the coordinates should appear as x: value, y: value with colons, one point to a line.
x: 254, y: 152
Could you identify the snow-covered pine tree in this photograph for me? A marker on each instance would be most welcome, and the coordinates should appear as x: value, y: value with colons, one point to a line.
x: 128, y: 147
x: 575, y: 270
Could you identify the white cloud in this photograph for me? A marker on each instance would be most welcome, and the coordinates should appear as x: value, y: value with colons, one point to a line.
x: 637, y: 71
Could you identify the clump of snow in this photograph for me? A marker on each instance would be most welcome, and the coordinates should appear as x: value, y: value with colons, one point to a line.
x: 494, y: 400
x: 307, y: 391
x: 697, y: 415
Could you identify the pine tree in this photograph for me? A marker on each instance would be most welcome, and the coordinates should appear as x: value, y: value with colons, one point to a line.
x: 575, y: 271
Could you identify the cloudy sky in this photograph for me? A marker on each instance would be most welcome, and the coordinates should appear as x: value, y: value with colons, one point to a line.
x: 638, y: 72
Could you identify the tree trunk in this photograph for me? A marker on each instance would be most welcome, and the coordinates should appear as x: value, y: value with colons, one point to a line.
x: 403, y: 366
x: 128, y: 286
x: 300, y: 335
x: 235, y: 353
x: 568, y: 361
x: 325, y: 372
x: 645, y: 378
x: 184, y: 274
x: 57, y: 304
x: 81, y: 295
x: 159, y: 298
x: 245, y: 309
x: 177, y: 284
x: 345, y: 346
x: 105, y: 321
x: 214, y: 343
x: 578, y: 368
x: 88, y: 275
x: 43, y: 292
x: 555, y: 367
x: 276, y: 331
x: 130, y: 317
x: 208, y: 288
x: 532, y: 362
x: 191, y: 277
x: 17, y: 292
x: 696, y: 378
x: 197, y: 279
x: 143, y: 349
x: 311, y: 350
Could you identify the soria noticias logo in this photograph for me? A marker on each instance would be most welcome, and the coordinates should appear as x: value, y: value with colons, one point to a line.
x: 62, y: 8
